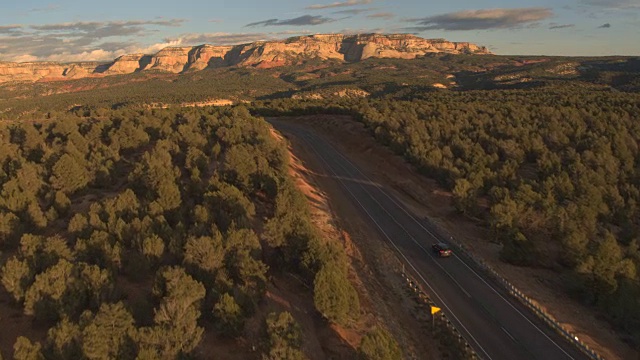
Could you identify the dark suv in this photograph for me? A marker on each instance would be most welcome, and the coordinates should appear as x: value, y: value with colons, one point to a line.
x: 441, y: 249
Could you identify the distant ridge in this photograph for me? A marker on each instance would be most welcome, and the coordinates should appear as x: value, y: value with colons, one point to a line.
x: 260, y: 54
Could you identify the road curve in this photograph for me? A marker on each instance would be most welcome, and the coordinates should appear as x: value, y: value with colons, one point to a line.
x: 497, y: 326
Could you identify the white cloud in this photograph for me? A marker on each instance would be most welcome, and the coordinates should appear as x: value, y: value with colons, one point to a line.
x: 381, y: 15
x: 613, y: 4
x: 339, y: 4
x: 304, y: 20
x: 483, y: 19
x: 76, y: 41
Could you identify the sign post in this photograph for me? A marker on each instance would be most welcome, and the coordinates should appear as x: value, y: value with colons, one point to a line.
x: 434, y: 311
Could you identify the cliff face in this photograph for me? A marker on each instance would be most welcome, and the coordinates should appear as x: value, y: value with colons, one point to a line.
x: 203, y: 56
x: 264, y: 54
x: 126, y: 64
x: 30, y: 71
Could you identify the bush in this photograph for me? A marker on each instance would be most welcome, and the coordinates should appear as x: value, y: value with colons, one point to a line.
x: 334, y: 296
x: 378, y: 344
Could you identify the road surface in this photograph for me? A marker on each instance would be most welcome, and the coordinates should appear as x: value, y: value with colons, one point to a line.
x: 497, y: 326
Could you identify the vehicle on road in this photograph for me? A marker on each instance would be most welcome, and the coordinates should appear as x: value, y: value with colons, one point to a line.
x: 441, y: 249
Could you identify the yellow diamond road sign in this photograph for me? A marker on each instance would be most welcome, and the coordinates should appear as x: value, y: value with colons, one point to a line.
x: 434, y: 310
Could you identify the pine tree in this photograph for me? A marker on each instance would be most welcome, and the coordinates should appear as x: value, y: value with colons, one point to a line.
x: 284, y: 338
x: 228, y: 316
x: 24, y: 349
x: 334, y: 296
x: 109, y: 334
x: 378, y: 344
x: 16, y: 277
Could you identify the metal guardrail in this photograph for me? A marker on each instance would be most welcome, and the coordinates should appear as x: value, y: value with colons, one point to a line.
x: 450, y: 330
x: 537, y: 310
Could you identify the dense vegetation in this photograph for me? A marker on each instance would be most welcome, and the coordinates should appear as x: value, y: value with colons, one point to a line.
x: 127, y: 236
x: 544, y: 151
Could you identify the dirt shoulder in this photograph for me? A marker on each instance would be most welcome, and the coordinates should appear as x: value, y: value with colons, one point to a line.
x: 427, y: 199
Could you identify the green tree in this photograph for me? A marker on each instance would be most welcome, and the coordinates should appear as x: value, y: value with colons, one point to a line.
x: 378, y: 344
x: 128, y: 135
x: 239, y: 165
x: 464, y: 196
x: 43, y: 252
x: 334, y: 296
x: 109, y: 334
x: 204, y: 255
x: 53, y: 292
x: 61, y: 202
x: 97, y: 283
x: 24, y: 349
x: 176, y: 329
x: 9, y: 227
x: 605, y: 267
x: 13, y: 197
x: 68, y: 175
x: 517, y: 249
x: 101, y: 248
x: 230, y: 206
x: 16, y: 277
x: 63, y: 340
x: 36, y: 216
x: 242, y: 253
x: 284, y: 338
x: 153, y: 248
x: 228, y: 316
x: 79, y: 225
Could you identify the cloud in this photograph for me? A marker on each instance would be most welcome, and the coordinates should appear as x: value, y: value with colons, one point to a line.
x: 483, y: 19
x: 299, y: 21
x: 88, y: 26
x: 11, y: 30
x: 48, y: 8
x: 339, y: 4
x: 225, y: 38
x: 349, y: 31
x: 604, y: 26
x: 553, y: 26
x: 353, y: 11
x: 42, y: 47
x: 218, y: 38
x: 381, y: 15
x: 613, y: 4
x: 76, y: 41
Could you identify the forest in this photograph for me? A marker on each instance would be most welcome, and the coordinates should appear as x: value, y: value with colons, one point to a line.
x: 135, y: 234
x: 103, y: 191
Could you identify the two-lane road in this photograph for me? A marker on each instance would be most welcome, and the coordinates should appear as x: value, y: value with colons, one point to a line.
x: 494, y: 324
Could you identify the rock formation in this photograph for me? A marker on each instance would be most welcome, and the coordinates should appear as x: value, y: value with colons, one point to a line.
x: 263, y: 54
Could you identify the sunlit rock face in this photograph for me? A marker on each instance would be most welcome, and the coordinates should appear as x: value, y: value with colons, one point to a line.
x: 261, y: 54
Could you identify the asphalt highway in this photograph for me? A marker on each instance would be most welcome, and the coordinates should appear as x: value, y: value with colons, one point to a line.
x: 495, y: 324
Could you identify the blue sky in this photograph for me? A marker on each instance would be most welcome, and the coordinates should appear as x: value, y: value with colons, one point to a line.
x: 75, y: 30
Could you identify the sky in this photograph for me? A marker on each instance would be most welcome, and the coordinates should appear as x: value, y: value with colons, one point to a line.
x: 81, y: 30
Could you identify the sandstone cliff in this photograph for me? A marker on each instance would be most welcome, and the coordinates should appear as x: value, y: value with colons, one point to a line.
x: 264, y: 54
x: 127, y: 64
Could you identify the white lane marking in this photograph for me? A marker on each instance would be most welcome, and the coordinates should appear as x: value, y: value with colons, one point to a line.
x: 506, y: 332
x: 436, y: 262
x: 461, y: 288
x: 457, y: 257
x: 443, y: 304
